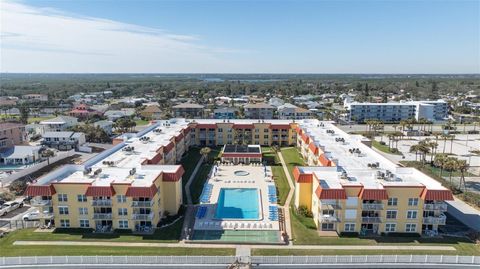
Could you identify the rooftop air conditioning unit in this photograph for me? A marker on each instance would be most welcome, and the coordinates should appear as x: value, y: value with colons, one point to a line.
x: 133, y: 171
x: 87, y: 171
x: 97, y: 172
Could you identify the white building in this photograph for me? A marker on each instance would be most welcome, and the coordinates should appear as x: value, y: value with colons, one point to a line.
x: 293, y: 112
x: 105, y: 125
x: 19, y: 155
x: 63, y: 140
x: 59, y: 124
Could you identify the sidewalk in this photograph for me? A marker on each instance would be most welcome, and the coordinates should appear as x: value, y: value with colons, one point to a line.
x: 242, y: 249
x: 286, y: 207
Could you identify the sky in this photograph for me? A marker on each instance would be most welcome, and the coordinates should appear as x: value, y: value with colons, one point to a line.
x: 105, y: 36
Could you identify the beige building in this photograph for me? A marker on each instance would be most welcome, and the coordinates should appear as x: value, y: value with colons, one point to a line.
x: 349, y: 187
x: 188, y: 110
x: 259, y: 111
x: 12, y: 134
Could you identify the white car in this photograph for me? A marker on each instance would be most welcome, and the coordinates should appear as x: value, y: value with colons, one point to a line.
x: 34, y: 215
x: 9, y: 207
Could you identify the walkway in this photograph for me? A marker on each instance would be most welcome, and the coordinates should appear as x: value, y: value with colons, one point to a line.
x: 286, y: 207
x: 190, y: 210
x: 239, y: 249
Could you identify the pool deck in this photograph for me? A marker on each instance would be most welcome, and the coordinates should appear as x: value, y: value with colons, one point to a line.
x: 225, y: 178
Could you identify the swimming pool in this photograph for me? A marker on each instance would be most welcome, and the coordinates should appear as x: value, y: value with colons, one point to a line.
x: 238, y: 203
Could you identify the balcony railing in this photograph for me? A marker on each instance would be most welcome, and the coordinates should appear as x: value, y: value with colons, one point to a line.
x: 334, y: 206
x: 37, y: 202
x: 436, y: 206
x: 102, y: 203
x: 142, y: 203
x: 371, y: 220
x: 376, y: 206
x: 142, y: 216
x: 102, y: 216
x: 329, y: 218
x: 440, y: 220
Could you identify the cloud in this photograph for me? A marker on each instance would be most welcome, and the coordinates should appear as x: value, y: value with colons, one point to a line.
x: 48, y: 40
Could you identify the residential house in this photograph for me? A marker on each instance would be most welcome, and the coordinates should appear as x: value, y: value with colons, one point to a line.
x: 259, y: 111
x: 188, y: 110
x: 293, y: 112
x: 58, y: 124
x: 224, y: 113
x: 151, y: 112
x: 12, y: 134
x: 35, y: 97
x: 63, y: 140
x: 19, y: 155
x: 113, y: 115
x: 105, y: 125
x: 82, y: 111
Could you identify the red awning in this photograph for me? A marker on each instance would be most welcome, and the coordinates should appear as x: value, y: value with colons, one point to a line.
x: 305, y: 138
x: 299, y: 130
x: 156, y: 159
x: 302, y: 177
x: 168, y: 147
x: 373, y: 194
x: 142, y: 191
x: 313, y: 148
x: 330, y: 194
x: 440, y: 195
x: 40, y: 190
x: 187, y: 130
x: 175, y: 176
x: 97, y: 191
x: 280, y: 126
x: 178, y: 138
x: 324, y: 160
x: 243, y: 126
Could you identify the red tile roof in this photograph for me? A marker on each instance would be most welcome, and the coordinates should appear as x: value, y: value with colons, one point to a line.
x: 441, y: 195
x: 176, y: 176
x: 142, y: 191
x: 40, y: 190
x: 373, y: 194
x: 243, y: 126
x: 168, y: 147
x: 302, y: 177
x: 330, y: 194
x: 178, y: 138
x: 305, y: 138
x: 96, y: 191
x: 313, y: 148
x: 206, y: 125
x: 280, y: 126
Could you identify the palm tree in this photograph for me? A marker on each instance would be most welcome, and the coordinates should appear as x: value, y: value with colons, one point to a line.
x: 451, y: 165
x: 462, y: 166
x: 439, y: 161
x: 205, y: 152
x: 452, y: 137
x: 415, y: 149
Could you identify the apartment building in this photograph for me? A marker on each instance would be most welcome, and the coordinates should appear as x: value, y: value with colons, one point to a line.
x: 12, y: 134
x: 293, y: 112
x: 188, y: 110
x: 212, y: 132
x: 131, y: 186
x: 349, y: 187
x: 58, y: 124
x: 259, y: 111
x: 35, y: 97
x: 395, y: 112
x: 224, y: 113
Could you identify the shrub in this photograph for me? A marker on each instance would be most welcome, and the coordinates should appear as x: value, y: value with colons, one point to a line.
x: 349, y: 234
x: 303, y: 211
x: 7, y: 196
x: 382, y: 143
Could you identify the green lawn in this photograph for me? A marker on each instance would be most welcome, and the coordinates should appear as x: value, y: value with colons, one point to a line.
x: 8, y: 249
x: 278, y: 174
x: 292, y: 158
x: 38, y: 119
x: 432, y: 170
x: 385, y: 148
x: 141, y: 122
x: 197, y: 185
x: 189, y: 161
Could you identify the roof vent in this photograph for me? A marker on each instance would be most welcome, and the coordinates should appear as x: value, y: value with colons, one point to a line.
x: 97, y: 172
x: 87, y: 171
x: 133, y: 171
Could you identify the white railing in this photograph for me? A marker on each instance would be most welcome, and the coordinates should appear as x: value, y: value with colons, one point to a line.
x: 385, y: 261
x: 39, y: 202
x: 102, y: 216
x: 102, y: 202
x: 329, y: 218
x: 371, y: 220
x: 142, y: 203
x: 436, y: 206
x: 142, y: 216
x: 373, y: 206
x: 440, y: 220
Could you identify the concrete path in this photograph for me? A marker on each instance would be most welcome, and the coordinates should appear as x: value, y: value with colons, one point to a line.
x: 239, y: 249
x: 286, y: 207
x: 190, y: 180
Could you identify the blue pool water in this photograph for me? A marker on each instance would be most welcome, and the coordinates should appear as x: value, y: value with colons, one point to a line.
x: 237, y: 203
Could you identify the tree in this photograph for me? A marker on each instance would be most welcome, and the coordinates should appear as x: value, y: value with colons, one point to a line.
x: 205, y: 153
x: 440, y: 160
x: 462, y: 166
x: 24, y: 111
x: 451, y: 165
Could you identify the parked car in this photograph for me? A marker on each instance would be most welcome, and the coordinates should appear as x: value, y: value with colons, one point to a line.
x: 9, y: 207
x: 2, y: 202
x: 34, y: 215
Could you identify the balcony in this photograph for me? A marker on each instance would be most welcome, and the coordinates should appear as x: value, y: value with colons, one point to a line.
x: 371, y: 220
x: 333, y: 206
x: 329, y: 218
x: 440, y: 220
x: 101, y: 216
x: 436, y: 206
x: 102, y: 203
x: 38, y: 202
x: 142, y: 203
x: 374, y: 206
x: 139, y: 216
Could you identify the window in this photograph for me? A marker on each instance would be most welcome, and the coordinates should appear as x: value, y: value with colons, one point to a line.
x: 257, y: 130
x: 392, y: 201
x: 349, y: 227
x: 63, y: 210
x: 65, y: 223
x: 122, y: 212
x: 390, y: 227
x: 121, y: 198
x: 412, y: 201
x: 411, y: 214
x: 391, y: 214
x: 84, y: 223
x: 62, y: 197
x: 123, y: 224
x: 83, y: 211
x: 220, y: 130
x: 265, y: 137
x: 351, y: 214
x: 410, y: 227
x: 352, y: 201
x: 81, y: 198
x: 265, y: 130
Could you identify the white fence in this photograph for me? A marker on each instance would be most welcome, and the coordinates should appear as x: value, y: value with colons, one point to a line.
x: 224, y: 260
x: 33, y: 168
